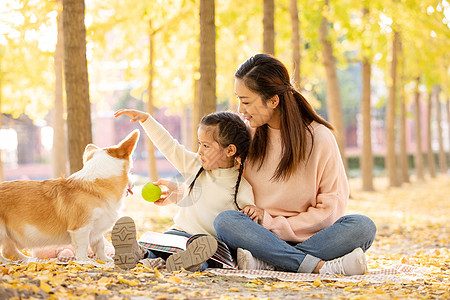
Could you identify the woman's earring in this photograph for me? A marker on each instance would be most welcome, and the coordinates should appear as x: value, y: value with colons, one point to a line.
x: 275, y: 101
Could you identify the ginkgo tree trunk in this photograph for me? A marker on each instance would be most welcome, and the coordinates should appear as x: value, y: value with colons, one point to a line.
x: 59, y: 137
x: 366, y: 155
x: 152, y: 170
x: 269, y: 26
x: 207, y: 89
x: 366, y: 161
x: 391, y: 161
x: 403, y: 155
x: 334, y: 106
x: 442, y: 156
x: 195, y: 114
x: 295, y: 42
x: 418, y: 162
x: 430, y: 154
x: 79, y: 128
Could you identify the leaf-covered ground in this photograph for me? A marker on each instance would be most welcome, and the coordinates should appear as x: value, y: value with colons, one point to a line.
x: 413, y: 228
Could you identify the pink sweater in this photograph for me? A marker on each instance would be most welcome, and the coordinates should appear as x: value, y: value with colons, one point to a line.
x: 312, y: 199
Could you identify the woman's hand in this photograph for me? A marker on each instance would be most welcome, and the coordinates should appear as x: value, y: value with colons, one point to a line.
x: 255, y: 213
x: 173, y: 192
x: 135, y: 115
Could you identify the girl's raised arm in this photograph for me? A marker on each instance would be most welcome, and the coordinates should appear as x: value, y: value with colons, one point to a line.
x: 135, y: 115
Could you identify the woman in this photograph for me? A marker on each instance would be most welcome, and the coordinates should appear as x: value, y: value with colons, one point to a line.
x: 298, y: 180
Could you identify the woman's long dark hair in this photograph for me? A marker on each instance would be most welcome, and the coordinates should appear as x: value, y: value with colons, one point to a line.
x: 268, y: 77
x: 229, y: 129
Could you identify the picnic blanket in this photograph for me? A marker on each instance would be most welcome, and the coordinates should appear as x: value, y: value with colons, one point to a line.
x: 397, y: 273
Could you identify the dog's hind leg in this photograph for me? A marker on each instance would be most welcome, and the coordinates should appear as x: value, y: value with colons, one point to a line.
x: 2, y: 241
x: 80, y: 241
x: 4, y: 260
x: 9, y: 250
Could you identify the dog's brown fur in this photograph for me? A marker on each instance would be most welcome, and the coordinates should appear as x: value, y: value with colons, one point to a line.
x: 75, y: 210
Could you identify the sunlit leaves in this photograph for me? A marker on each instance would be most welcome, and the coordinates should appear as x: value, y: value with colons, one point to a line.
x: 125, y: 39
x: 26, y: 65
x: 118, y: 34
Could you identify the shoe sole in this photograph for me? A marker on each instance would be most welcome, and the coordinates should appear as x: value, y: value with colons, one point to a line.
x: 123, y: 236
x: 196, y: 253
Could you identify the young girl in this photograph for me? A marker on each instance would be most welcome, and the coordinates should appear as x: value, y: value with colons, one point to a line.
x: 299, y: 182
x: 214, y: 177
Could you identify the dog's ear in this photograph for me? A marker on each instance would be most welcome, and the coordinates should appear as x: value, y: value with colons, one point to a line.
x: 88, y: 152
x: 127, y: 146
x: 91, y: 147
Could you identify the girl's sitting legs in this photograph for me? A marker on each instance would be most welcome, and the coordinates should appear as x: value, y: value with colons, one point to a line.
x: 129, y: 252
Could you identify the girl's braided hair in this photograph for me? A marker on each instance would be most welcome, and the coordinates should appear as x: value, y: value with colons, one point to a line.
x: 229, y: 129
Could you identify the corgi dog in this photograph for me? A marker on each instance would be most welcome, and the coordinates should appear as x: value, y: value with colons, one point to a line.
x: 76, y: 210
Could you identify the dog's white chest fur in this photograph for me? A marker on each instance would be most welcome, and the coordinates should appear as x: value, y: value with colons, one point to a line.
x: 104, y: 217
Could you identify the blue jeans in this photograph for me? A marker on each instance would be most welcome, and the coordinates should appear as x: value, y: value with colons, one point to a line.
x: 237, y: 230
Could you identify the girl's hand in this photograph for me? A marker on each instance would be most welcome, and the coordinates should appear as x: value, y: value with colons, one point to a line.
x: 173, y: 192
x: 255, y: 213
x: 135, y: 115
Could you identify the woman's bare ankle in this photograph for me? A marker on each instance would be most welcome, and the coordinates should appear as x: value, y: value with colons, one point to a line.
x: 318, y: 267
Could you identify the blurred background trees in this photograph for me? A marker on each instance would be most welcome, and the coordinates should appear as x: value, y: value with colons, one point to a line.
x: 379, y: 71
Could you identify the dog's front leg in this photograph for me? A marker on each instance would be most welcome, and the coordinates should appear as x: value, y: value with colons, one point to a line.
x: 80, y: 242
x: 98, y: 247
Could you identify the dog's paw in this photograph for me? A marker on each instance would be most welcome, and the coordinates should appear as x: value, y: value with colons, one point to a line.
x: 106, y: 259
x: 83, y: 260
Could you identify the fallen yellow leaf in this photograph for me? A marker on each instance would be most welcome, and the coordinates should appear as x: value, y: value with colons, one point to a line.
x: 175, y: 279
x: 104, y: 280
x: 317, y: 282
x: 45, y: 287
x: 157, y: 273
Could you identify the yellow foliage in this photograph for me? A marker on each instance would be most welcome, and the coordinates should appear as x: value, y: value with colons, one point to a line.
x: 175, y: 279
x: 317, y: 282
x: 45, y: 287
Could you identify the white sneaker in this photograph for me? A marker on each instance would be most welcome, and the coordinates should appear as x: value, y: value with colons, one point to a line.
x: 246, y: 261
x: 353, y: 263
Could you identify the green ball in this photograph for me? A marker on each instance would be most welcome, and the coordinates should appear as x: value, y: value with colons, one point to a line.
x: 151, y: 192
